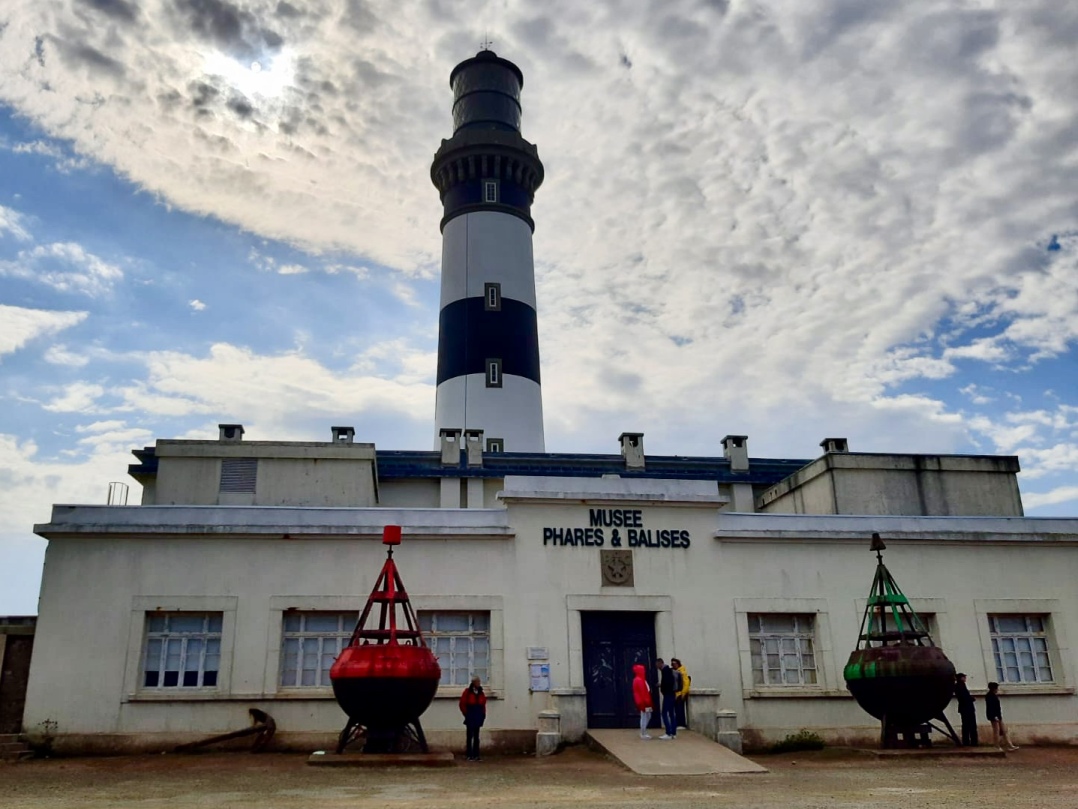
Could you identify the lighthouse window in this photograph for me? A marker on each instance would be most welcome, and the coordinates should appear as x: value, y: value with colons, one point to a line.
x: 492, y: 297
x: 490, y: 191
x: 782, y: 649
x: 494, y: 373
x: 1020, y: 648
x: 310, y: 642
x: 495, y: 445
x: 461, y: 642
x: 183, y: 650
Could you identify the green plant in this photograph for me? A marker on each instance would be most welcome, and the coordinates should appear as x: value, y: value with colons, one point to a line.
x: 802, y: 740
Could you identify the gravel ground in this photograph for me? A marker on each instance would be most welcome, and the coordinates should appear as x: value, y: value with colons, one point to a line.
x: 1046, y: 778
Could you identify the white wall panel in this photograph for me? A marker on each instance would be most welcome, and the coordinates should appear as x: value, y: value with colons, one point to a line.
x: 487, y: 247
x: 513, y: 412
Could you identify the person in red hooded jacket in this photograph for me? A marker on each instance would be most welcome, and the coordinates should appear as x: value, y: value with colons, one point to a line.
x: 642, y: 698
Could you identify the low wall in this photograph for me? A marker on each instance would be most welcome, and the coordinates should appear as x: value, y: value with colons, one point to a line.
x: 503, y: 742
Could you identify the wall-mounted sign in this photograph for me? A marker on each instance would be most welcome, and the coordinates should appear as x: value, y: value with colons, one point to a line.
x: 538, y: 653
x: 616, y: 528
x: 539, y: 675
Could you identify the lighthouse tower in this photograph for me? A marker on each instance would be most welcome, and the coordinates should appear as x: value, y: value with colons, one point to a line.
x: 488, y: 342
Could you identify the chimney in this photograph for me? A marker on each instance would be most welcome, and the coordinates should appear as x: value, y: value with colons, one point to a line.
x: 343, y: 435
x: 230, y: 433
x: 473, y: 443
x: 632, y: 449
x: 835, y: 445
x: 450, y: 446
x: 735, y: 449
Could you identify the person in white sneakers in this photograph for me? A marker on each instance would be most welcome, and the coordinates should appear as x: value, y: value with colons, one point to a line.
x: 995, y: 715
x: 642, y: 698
x: 668, y: 691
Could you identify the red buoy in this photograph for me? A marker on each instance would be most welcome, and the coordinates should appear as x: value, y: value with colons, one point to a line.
x: 386, y: 677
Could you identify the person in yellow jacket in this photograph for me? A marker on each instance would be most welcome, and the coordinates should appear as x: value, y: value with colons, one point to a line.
x: 681, y: 696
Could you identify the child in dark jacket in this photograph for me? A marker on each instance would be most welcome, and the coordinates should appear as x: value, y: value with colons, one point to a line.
x: 473, y: 705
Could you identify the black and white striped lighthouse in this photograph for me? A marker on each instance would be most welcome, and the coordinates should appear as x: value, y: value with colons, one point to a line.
x: 488, y: 342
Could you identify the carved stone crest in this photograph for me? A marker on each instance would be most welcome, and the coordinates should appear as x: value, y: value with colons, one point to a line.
x: 617, y: 567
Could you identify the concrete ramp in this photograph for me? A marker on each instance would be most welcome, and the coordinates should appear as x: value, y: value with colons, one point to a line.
x: 688, y: 754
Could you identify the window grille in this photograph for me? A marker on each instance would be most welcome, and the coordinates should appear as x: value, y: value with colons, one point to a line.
x: 461, y: 642
x: 310, y: 643
x: 183, y: 650
x: 1020, y: 648
x: 239, y: 474
x: 782, y: 649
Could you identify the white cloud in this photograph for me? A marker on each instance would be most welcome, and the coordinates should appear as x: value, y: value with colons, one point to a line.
x: 31, y: 485
x: 827, y: 182
x: 23, y: 325
x: 79, y: 397
x: 11, y: 223
x: 1061, y: 494
x: 58, y: 354
x: 66, y: 267
x: 292, y: 269
x: 236, y: 383
x: 64, y: 162
x: 197, y: 305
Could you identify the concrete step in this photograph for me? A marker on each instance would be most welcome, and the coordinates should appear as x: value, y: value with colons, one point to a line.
x: 688, y: 754
x: 7, y: 738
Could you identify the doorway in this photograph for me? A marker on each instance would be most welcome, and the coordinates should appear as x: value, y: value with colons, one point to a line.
x: 613, y: 643
x: 13, y: 678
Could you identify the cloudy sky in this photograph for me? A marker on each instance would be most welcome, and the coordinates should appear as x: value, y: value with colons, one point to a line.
x: 789, y: 220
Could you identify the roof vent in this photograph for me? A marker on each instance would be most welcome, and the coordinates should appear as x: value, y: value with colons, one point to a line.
x: 835, y: 445
x: 632, y: 449
x: 735, y: 449
x: 450, y: 440
x: 343, y: 435
x: 230, y: 432
x: 473, y: 443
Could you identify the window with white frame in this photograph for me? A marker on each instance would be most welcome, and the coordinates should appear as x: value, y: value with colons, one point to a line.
x: 490, y: 191
x: 782, y: 650
x: 310, y: 643
x: 182, y: 650
x: 461, y: 642
x: 1020, y: 648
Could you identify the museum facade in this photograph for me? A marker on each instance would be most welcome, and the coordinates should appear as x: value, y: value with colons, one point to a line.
x: 237, y: 580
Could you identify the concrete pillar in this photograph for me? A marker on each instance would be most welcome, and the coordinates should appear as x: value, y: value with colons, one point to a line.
x: 572, y: 709
x: 548, y: 739
x: 475, y: 493
x: 450, y: 494
x: 728, y: 735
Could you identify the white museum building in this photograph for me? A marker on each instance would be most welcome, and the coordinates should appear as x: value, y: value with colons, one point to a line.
x: 236, y: 580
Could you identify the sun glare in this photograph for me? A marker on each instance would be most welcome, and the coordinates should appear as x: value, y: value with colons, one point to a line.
x: 265, y: 78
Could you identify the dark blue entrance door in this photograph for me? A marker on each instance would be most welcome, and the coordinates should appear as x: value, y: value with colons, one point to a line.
x: 613, y: 643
